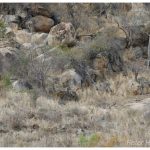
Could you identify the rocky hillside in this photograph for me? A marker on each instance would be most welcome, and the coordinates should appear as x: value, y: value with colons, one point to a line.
x: 74, y: 68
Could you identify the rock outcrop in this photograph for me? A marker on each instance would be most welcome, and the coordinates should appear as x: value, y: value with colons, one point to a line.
x: 62, y: 34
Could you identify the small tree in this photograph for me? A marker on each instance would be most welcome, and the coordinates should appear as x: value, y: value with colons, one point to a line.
x: 27, y: 67
x: 37, y: 70
x: 131, y: 25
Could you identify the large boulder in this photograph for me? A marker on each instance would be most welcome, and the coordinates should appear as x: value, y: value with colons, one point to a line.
x: 40, y: 24
x: 25, y: 38
x: 22, y: 36
x: 62, y: 34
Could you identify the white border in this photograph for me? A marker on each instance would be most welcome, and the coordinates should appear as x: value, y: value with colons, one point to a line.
x: 74, y: 1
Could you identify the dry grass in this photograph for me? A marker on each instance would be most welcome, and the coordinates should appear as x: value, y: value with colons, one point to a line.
x: 98, y: 119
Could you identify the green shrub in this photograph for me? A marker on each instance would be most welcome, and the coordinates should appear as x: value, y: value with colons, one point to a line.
x: 86, y: 51
x: 91, y: 141
x: 2, y: 29
x: 83, y: 141
x: 6, y: 80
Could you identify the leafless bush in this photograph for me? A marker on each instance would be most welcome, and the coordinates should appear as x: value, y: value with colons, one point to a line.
x: 132, y: 28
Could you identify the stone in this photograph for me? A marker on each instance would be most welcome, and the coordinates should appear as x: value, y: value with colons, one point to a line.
x: 9, y: 18
x: 22, y: 36
x: 62, y: 34
x: 21, y: 85
x: 39, y: 39
x: 39, y: 24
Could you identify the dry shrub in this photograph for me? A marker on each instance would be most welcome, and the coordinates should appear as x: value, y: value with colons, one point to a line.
x: 113, y: 141
x: 75, y: 110
x: 124, y: 85
x: 53, y: 115
x: 15, y: 121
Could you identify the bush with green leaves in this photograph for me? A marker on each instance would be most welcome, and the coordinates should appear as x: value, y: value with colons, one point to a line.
x: 2, y: 29
x: 89, y: 141
x: 6, y: 81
